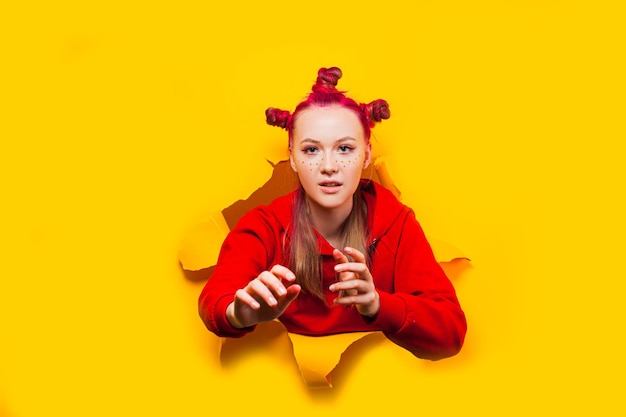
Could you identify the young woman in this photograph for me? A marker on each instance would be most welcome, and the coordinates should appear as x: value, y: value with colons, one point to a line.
x: 339, y: 254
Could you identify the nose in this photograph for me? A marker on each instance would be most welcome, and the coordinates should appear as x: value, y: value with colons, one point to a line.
x: 329, y: 166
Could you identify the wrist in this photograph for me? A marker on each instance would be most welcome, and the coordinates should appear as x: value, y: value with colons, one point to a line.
x: 372, y: 311
x: 232, y: 318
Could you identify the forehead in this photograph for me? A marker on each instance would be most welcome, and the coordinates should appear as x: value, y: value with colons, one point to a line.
x: 327, y: 123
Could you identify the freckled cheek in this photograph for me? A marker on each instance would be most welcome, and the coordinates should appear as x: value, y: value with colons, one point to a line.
x: 351, y: 161
x: 311, y: 163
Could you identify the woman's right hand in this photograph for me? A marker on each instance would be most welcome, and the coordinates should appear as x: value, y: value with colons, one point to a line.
x: 264, y: 298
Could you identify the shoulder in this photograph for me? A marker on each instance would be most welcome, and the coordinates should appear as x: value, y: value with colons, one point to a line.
x: 275, y: 215
x: 259, y: 233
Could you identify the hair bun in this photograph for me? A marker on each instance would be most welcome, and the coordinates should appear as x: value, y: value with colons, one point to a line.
x: 376, y: 111
x: 277, y: 117
x: 327, y: 79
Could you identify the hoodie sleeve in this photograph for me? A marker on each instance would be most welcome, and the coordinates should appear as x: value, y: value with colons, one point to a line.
x: 422, y: 313
x: 243, y: 256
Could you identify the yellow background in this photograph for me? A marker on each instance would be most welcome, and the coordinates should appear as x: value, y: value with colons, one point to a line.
x: 123, y: 124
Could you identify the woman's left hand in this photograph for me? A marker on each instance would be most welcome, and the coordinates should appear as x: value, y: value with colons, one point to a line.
x: 356, y: 285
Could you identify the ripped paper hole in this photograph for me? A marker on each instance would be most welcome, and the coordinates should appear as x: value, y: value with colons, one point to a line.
x: 316, y: 356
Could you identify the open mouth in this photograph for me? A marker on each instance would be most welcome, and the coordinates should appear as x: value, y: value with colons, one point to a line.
x: 330, y: 187
x: 330, y: 184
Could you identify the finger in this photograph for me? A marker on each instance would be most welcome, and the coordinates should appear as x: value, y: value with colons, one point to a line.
x: 273, y: 283
x: 358, y: 268
x: 339, y: 256
x: 353, y: 284
x: 360, y: 299
x: 243, y: 297
x: 258, y: 288
x: 292, y: 292
x: 283, y: 272
x: 355, y: 254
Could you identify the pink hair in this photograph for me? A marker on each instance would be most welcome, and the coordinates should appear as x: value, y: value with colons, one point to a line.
x: 325, y: 93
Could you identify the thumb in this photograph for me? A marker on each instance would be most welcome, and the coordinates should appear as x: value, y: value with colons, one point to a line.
x: 292, y: 292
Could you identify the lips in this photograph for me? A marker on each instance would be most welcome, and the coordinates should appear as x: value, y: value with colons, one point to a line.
x: 330, y: 187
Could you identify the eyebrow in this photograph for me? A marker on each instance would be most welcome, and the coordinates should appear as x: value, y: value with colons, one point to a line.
x: 345, y: 138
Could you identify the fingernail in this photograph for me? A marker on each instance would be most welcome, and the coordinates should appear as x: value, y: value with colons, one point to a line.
x: 332, y: 287
x: 256, y: 305
x: 282, y: 291
x: 291, y: 276
x: 273, y: 301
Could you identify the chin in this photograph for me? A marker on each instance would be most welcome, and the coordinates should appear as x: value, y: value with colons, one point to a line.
x: 329, y: 204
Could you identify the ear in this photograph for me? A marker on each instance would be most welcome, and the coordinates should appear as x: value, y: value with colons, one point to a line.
x: 368, y: 155
x: 292, y: 162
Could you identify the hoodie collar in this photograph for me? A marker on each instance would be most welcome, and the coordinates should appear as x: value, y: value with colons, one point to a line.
x: 382, y: 207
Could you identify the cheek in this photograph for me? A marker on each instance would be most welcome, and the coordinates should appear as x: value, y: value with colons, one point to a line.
x: 310, y: 163
x: 351, y: 161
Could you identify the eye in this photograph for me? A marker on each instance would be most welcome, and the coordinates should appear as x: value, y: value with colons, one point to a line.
x: 310, y: 150
x: 345, y: 148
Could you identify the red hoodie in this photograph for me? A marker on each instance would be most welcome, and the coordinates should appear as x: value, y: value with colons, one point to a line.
x: 419, y: 309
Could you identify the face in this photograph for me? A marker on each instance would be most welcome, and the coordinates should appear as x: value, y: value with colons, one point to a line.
x: 328, y: 152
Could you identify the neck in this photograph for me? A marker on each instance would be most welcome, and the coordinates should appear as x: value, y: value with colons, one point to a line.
x: 328, y: 222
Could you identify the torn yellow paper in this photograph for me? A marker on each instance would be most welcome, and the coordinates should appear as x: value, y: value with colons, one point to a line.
x: 443, y: 251
x: 318, y: 356
x: 201, y: 245
x: 384, y: 177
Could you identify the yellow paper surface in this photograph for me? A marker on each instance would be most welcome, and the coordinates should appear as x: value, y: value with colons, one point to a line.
x: 122, y: 124
x: 201, y: 244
